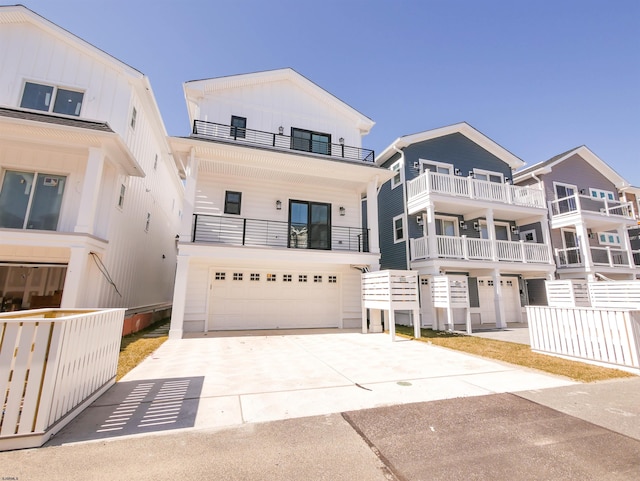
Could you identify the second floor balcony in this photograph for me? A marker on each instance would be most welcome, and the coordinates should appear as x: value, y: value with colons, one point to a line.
x: 471, y: 249
x: 600, y: 257
x: 593, y: 211
x: 306, y: 142
x: 430, y: 183
x: 238, y: 231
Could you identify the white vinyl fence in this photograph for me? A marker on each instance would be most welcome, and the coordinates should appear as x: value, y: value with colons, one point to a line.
x: 609, y: 337
x: 53, y: 364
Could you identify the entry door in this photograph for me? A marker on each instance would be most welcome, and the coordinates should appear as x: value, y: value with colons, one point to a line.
x: 570, y: 241
x: 309, y: 225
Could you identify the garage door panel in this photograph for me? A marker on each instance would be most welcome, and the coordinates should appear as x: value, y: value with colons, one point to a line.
x: 260, y: 299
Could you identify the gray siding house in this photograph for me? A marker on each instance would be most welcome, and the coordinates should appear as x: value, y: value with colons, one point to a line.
x: 591, y: 212
x: 451, y: 208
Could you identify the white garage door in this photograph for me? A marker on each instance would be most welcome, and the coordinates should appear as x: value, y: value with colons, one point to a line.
x: 260, y: 299
x: 510, y: 298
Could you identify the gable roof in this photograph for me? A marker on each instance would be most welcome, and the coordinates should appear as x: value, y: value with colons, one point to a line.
x: 462, y: 128
x: 586, y: 154
x: 194, y: 89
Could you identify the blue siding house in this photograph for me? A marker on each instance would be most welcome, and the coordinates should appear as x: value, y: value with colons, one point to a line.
x: 452, y: 208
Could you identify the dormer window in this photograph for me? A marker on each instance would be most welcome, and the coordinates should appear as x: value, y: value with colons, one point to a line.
x: 50, y: 98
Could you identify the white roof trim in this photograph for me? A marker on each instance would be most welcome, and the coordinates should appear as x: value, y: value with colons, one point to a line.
x: 462, y: 128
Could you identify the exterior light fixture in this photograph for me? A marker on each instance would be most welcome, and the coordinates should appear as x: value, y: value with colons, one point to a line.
x: 280, y: 130
x: 341, y: 140
x: 342, y: 210
x: 278, y: 205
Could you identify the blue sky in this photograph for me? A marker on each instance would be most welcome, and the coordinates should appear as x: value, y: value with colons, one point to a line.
x: 537, y: 76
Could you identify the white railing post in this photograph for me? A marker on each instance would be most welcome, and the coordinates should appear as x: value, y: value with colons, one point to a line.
x: 465, y: 247
x: 524, y: 254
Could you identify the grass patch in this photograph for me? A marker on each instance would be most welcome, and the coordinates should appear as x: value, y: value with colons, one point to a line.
x: 514, y: 353
x: 134, y: 348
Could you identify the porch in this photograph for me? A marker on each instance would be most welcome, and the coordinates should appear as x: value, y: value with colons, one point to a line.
x: 466, y: 248
x: 600, y: 256
x: 430, y: 183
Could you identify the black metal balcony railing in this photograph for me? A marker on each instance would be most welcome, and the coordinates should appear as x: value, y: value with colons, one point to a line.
x: 240, y: 231
x: 280, y: 141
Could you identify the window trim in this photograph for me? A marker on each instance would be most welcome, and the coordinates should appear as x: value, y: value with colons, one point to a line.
x: 453, y: 219
x: 121, y: 196
x: 488, y: 173
x: 238, y: 131
x: 311, y: 142
x: 402, y: 238
x: 565, y: 185
x: 54, y: 96
x: 523, y: 235
x: 436, y: 164
x: 228, y: 203
x: 134, y: 118
x: 310, y: 225
x: 397, y: 167
x: 606, y: 242
x: 608, y: 194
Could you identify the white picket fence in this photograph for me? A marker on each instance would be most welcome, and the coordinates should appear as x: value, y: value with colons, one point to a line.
x: 609, y: 337
x: 53, y: 364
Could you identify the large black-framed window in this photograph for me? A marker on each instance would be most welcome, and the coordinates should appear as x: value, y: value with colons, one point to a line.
x: 309, y: 225
x: 238, y: 127
x: 232, y: 202
x: 309, y: 141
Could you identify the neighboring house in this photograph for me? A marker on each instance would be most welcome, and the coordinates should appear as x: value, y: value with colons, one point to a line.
x: 451, y: 209
x: 90, y: 197
x: 590, y: 215
x: 273, y: 234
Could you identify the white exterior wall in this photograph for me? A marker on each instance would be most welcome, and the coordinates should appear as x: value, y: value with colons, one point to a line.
x: 268, y: 106
x: 133, y: 257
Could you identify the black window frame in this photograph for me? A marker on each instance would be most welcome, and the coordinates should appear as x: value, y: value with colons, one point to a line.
x: 228, y: 203
x: 238, y: 131
x: 314, y: 231
x: 310, y: 145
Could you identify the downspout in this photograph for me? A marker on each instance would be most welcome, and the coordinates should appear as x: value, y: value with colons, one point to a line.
x: 405, y: 200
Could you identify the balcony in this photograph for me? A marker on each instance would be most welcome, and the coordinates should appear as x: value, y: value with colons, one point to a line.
x: 211, y: 130
x: 238, y: 231
x: 600, y: 257
x: 430, y: 183
x: 596, y: 212
x: 465, y: 248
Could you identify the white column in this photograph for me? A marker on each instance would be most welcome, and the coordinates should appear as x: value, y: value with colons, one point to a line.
x: 546, y: 237
x: 76, y: 279
x: 189, y: 198
x: 501, y: 321
x: 430, y: 230
x: 625, y: 243
x: 180, y: 298
x: 585, y: 250
x: 491, y: 232
x: 90, y: 190
x: 372, y: 219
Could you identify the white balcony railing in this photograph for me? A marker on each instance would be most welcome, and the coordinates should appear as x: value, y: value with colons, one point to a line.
x: 600, y: 256
x: 450, y: 247
x: 468, y: 187
x: 578, y: 204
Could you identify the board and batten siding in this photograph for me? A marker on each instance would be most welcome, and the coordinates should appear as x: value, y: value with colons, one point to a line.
x: 267, y: 106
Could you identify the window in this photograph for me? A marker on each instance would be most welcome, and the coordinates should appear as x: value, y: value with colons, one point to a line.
x: 237, y: 276
x: 609, y: 239
x: 123, y: 189
x: 238, y: 127
x: 302, y: 278
x: 254, y: 277
x: 424, y: 281
x: 31, y: 200
x: 309, y: 225
x: 565, y: 195
x: 601, y: 194
x: 232, y: 201
x: 398, y: 229
x: 272, y: 277
x: 155, y: 163
x: 488, y: 176
x: 437, y: 167
x: 146, y: 225
x: 332, y: 279
x: 286, y: 277
x: 134, y: 115
x: 529, y: 235
x: 447, y: 226
x: 317, y: 278
x: 51, y: 99
x: 397, y: 178
x: 220, y: 276
x: 309, y: 141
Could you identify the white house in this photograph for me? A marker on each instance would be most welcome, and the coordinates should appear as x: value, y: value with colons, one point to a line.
x: 275, y: 232
x: 90, y: 198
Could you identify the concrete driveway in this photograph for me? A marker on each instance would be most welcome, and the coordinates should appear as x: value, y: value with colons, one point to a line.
x: 221, y: 380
